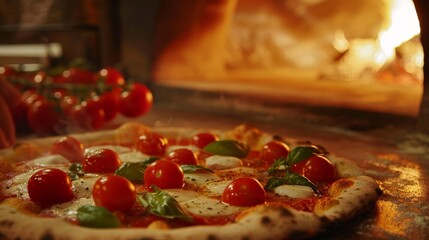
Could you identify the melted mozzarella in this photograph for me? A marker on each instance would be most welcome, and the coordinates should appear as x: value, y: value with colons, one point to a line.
x: 49, y: 161
x: 82, y: 187
x: 200, y: 179
x: 174, y: 147
x: 217, y: 162
x: 217, y: 188
x: 116, y: 148
x: 133, y: 156
x: 209, y: 207
x: 294, y: 191
x: 69, y: 209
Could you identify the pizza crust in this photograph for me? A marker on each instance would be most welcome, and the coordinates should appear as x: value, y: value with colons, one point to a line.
x: 346, y: 198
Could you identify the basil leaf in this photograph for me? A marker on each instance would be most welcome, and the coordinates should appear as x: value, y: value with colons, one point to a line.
x: 75, y: 171
x: 228, y: 148
x: 275, y: 182
x: 96, y: 217
x: 162, y: 204
x: 134, y: 171
x: 299, y: 154
x: 276, y: 164
x: 296, y: 179
x: 291, y: 179
x: 193, y: 168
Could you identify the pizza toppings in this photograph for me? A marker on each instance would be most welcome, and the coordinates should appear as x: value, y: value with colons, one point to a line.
x: 316, y: 168
x: 164, y: 174
x: 50, y: 186
x: 244, y: 192
x: 102, y: 160
x: 151, y: 144
x: 183, y: 156
x: 272, y: 151
x: 203, y: 139
x: 69, y: 147
x: 172, y: 183
x: 115, y: 193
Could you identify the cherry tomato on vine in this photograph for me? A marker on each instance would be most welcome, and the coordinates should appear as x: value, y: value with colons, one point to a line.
x: 89, y: 114
x: 44, y: 118
x: 136, y: 101
x: 50, y: 186
x: 68, y: 147
x: 111, y: 76
x: 79, y: 75
x: 151, y: 144
x: 101, y: 160
x: 110, y: 103
x: 203, y: 139
x: 244, y: 192
x: 183, y: 156
x: 114, y: 192
x: 317, y: 168
x: 164, y: 174
x: 272, y: 151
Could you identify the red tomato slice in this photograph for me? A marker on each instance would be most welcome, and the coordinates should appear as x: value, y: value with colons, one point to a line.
x: 69, y: 147
x: 203, y: 139
x: 317, y: 169
x: 272, y: 151
x: 115, y: 193
x: 164, y: 174
x: 136, y: 101
x: 151, y: 144
x: 183, y: 156
x: 102, y: 160
x: 244, y: 192
x: 50, y: 186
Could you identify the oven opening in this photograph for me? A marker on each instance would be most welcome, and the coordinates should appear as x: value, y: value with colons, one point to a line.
x: 362, y: 55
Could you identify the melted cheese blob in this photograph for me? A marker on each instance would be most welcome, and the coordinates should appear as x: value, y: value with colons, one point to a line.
x: 294, y: 191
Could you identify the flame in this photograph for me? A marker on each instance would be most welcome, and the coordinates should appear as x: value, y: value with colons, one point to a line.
x: 404, y: 26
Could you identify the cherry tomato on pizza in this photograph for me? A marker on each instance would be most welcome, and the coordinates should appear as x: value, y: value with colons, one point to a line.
x: 164, y: 174
x: 317, y: 168
x: 69, y: 147
x: 103, y: 160
x: 50, y: 186
x: 111, y: 76
x: 114, y: 192
x: 151, y: 144
x: 272, y: 151
x: 136, y: 101
x: 244, y: 192
x: 203, y: 139
x: 183, y: 156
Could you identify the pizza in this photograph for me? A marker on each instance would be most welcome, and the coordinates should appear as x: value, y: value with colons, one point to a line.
x: 138, y: 182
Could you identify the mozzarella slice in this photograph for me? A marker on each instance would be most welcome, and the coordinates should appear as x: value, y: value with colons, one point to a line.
x: 294, y: 191
x: 209, y: 207
x: 82, y: 187
x: 118, y: 149
x: 69, y: 209
x: 49, y: 161
x: 217, y: 162
x: 174, y: 147
x: 217, y: 188
x: 133, y: 156
x: 182, y: 195
x: 200, y: 179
